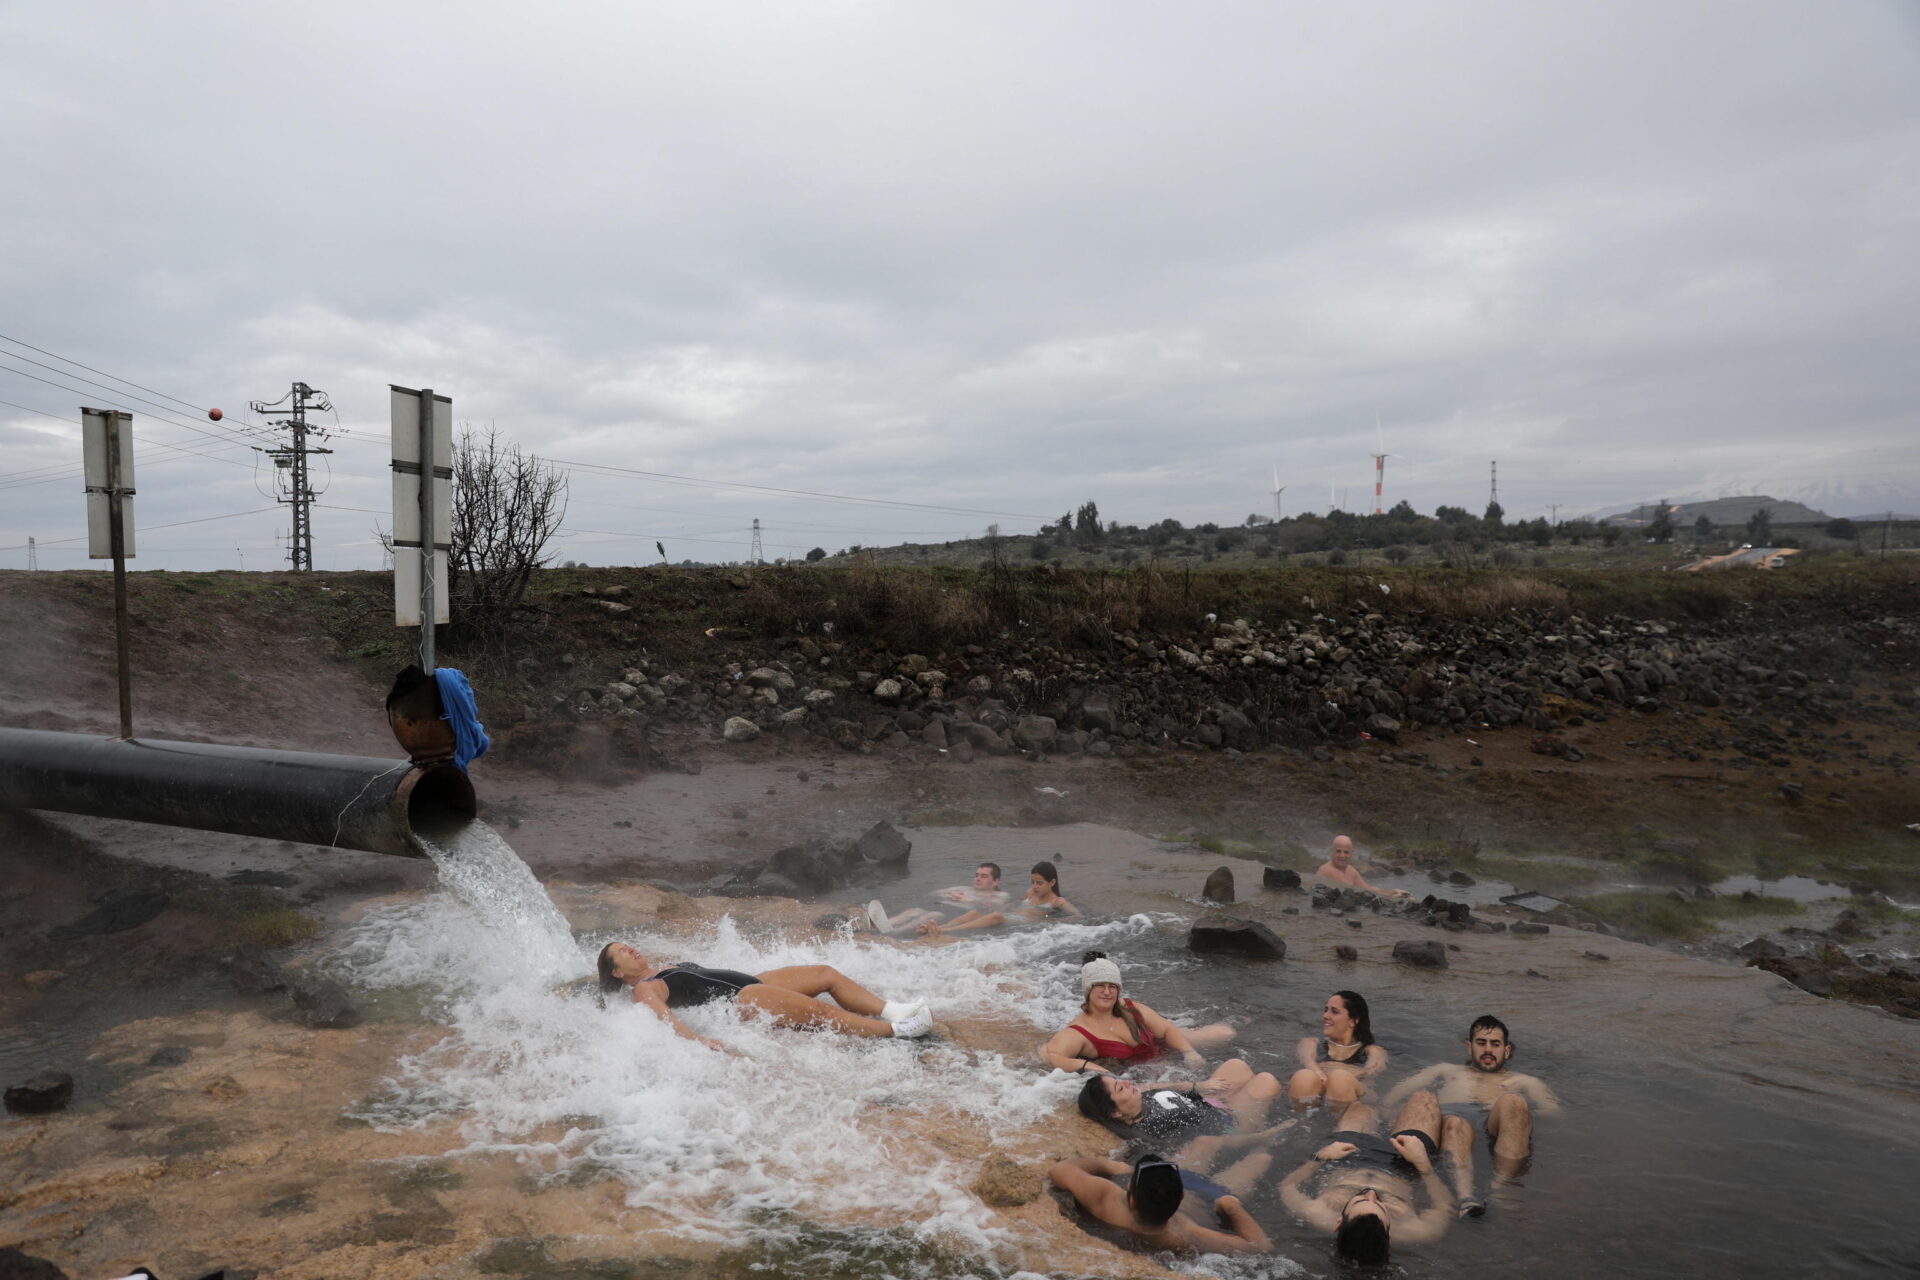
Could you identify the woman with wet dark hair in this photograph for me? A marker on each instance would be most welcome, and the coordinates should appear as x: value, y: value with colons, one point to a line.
x: 788, y: 996
x: 1043, y: 902
x: 1336, y: 1065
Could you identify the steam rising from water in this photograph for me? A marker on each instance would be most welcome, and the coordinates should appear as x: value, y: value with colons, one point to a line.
x: 826, y: 1127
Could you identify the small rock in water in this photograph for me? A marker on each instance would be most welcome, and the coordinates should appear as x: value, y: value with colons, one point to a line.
x: 15, y: 1265
x: 46, y: 1092
x: 882, y: 844
x: 1526, y: 926
x: 170, y: 1056
x: 1229, y: 935
x: 115, y: 911
x: 1595, y: 955
x: 324, y: 1004
x: 1279, y: 878
x: 1219, y: 886
x: 739, y: 729
x: 1535, y: 973
x: 253, y: 972
x: 1344, y: 952
x: 1762, y: 946
x: 1421, y: 955
x: 225, y: 1089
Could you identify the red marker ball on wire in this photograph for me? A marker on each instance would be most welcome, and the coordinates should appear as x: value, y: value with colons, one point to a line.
x: 215, y: 414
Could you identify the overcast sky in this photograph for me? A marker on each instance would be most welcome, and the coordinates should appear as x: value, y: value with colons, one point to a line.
x: 991, y: 257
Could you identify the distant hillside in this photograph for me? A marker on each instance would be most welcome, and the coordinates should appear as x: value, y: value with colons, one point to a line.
x: 1726, y: 511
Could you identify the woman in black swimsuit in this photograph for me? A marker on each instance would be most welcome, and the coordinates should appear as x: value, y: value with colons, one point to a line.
x: 1336, y: 1065
x: 788, y: 996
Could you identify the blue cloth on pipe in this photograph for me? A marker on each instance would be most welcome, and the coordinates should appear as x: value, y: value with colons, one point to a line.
x: 470, y: 740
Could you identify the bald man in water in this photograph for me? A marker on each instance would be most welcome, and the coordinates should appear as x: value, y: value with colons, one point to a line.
x: 1339, y: 869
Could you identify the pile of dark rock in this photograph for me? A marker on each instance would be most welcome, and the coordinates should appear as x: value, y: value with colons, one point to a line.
x: 1237, y: 686
x: 816, y: 866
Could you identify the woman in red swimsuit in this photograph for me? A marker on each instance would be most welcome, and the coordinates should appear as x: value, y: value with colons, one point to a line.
x: 1111, y: 1029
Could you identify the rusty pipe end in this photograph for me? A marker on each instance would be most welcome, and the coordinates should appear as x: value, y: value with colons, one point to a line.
x: 434, y: 800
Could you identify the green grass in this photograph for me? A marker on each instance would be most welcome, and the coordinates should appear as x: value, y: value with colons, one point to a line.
x: 1656, y: 915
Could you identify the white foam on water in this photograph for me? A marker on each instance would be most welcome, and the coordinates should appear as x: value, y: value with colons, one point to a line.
x: 819, y: 1127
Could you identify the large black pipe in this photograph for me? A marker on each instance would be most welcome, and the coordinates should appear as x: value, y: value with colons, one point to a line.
x: 348, y: 802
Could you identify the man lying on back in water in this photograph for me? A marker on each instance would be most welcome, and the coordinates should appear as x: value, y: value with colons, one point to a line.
x: 1166, y: 1207
x: 984, y: 894
x: 1339, y: 869
x: 785, y: 995
x: 1488, y: 1096
x: 1366, y: 1195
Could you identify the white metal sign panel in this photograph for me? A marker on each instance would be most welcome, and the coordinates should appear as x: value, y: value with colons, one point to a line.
x: 406, y: 588
x: 106, y: 452
x: 407, y: 467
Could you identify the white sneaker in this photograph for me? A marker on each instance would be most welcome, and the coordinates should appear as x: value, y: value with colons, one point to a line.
x: 895, y: 1010
x: 877, y: 917
x: 914, y: 1025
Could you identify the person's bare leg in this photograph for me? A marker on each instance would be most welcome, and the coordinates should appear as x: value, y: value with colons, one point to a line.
x: 1202, y: 1154
x: 1232, y: 1073
x: 817, y: 980
x: 1420, y: 1111
x: 1509, y: 1136
x: 1304, y: 1088
x: 1456, y: 1139
x: 1360, y: 1118
x: 1252, y: 1100
x: 792, y: 1009
x: 1343, y: 1090
x: 1244, y: 1174
x: 972, y: 920
x: 1215, y: 1035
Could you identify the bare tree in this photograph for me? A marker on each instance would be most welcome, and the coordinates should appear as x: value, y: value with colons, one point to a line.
x: 507, y: 505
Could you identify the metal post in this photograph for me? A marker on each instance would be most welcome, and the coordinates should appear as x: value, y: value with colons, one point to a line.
x: 428, y: 535
x: 116, y: 525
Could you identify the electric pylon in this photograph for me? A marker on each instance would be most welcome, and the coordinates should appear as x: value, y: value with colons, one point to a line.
x: 290, y: 465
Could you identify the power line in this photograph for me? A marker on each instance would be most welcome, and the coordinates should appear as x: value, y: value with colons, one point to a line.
x: 152, y: 405
x: 226, y: 442
x: 197, y: 408
x: 153, y: 528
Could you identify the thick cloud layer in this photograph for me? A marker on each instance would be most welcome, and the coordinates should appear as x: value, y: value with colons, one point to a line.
x: 1002, y: 258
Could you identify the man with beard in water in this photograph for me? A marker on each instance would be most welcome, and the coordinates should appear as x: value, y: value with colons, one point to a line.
x: 1483, y: 1092
x: 1366, y: 1193
x: 1166, y: 1207
x: 788, y: 996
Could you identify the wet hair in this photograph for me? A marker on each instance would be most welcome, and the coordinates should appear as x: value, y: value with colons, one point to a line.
x: 1357, y: 1010
x: 1362, y: 1239
x: 1096, y: 1101
x: 608, y: 983
x: 1119, y: 1006
x: 1155, y: 1189
x: 1048, y: 872
x: 1487, y: 1022
x: 993, y: 867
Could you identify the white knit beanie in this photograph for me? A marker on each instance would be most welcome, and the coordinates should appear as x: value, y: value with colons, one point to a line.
x: 1097, y: 971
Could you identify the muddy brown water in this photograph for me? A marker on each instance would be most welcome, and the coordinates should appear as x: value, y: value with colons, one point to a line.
x: 1718, y: 1122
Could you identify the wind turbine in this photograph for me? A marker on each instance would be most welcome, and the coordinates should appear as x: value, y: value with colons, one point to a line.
x: 1278, y: 489
x: 1380, y: 464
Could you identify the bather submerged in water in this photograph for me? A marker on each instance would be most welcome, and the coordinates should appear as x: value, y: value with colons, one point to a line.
x: 1122, y: 1031
x: 789, y: 996
x: 1166, y: 1207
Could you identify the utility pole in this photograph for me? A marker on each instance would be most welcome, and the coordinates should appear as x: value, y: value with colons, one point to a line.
x: 1493, y: 491
x: 1555, y: 508
x: 290, y: 460
x: 756, y: 555
x: 33, y: 554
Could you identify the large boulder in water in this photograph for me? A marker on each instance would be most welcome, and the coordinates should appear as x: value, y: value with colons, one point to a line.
x: 1219, y: 886
x: 806, y: 866
x: 1279, y: 878
x: 1232, y: 936
x: 48, y: 1091
x: 882, y: 844
x: 1421, y: 955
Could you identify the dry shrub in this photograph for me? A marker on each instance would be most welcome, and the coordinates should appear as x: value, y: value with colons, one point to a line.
x: 1487, y: 596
